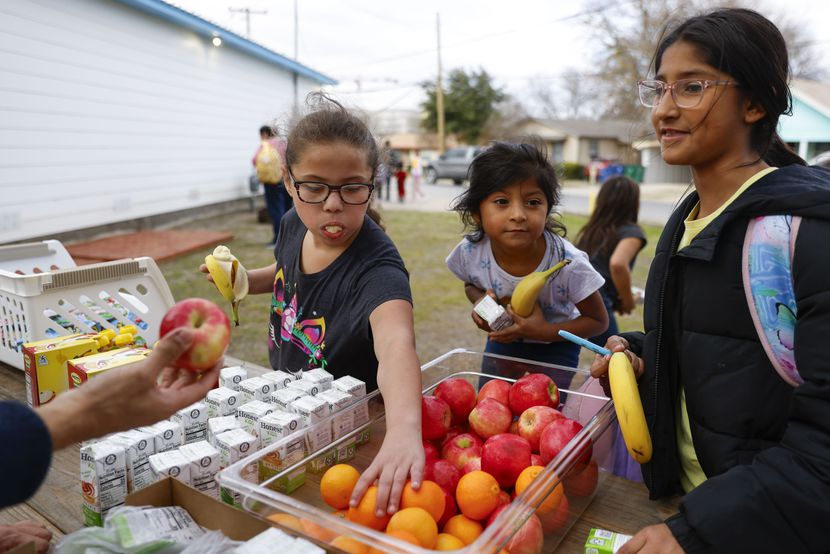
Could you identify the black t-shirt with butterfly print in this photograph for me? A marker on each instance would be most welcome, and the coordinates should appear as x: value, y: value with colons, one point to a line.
x: 322, y: 319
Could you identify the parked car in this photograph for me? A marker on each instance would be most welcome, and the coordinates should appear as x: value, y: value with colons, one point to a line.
x: 452, y: 164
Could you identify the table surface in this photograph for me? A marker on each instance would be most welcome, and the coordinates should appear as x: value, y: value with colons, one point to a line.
x: 620, y: 505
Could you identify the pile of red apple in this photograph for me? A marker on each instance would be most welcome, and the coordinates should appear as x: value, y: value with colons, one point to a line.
x: 502, y: 430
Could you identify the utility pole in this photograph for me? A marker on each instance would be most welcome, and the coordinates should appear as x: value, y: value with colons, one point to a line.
x: 439, y: 91
x: 296, y: 54
x: 248, y: 12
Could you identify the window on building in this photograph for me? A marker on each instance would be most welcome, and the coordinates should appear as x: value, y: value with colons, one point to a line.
x: 593, y: 148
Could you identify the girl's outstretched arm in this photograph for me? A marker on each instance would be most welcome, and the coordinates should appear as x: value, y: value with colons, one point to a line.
x: 619, y: 265
x: 399, y: 379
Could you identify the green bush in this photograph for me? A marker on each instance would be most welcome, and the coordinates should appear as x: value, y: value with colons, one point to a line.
x: 572, y: 170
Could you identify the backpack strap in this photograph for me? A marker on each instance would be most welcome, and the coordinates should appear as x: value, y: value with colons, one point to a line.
x: 767, y: 277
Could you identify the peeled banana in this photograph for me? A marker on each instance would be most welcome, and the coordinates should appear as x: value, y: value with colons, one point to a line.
x: 527, y: 291
x: 229, y: 276
x: 629, y: 407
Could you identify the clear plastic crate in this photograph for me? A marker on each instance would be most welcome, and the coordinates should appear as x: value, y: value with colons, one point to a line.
x: 78, y: 300
x: 595, y: 412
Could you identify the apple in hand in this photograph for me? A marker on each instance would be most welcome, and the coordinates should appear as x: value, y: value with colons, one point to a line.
x: 533, y: 421
x: 460, y: 395
x: 535, y: 389
x: 211, y: 332
x: 435, y: 417
x: 504, y: 457
x: 490, y: 417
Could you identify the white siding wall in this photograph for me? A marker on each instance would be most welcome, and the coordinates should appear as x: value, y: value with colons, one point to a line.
x: 108, y: 114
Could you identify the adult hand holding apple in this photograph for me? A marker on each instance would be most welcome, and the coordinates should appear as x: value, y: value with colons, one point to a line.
x: 211, y: 332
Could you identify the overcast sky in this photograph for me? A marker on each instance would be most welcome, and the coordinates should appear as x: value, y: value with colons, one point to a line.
x: 385, y: 48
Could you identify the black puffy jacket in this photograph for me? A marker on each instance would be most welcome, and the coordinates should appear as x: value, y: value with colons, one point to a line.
x: 764, y: 446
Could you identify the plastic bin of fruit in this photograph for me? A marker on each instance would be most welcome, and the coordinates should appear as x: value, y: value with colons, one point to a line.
x: 534, y: 512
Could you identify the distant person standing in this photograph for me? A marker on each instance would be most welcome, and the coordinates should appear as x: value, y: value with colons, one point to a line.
x: 392, y: 158
x: 416, y: 171
x: 268, y: 163
x: 400, y: 177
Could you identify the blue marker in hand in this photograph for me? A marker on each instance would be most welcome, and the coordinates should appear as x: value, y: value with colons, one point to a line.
x: 585, y: 343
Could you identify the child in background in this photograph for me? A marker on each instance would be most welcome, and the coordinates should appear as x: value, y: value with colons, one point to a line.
x: 612, y: 239
x: 400, y: 176
x: 416, y: 170
x: 513, y: 191
x: 341, y: 297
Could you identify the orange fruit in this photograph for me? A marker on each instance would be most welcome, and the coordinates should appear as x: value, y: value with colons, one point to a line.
x: 316, y: 531
x: 551, y: 501
x: 364, y: 512
x: 430, y: 497
x: 337, y: 485
x: 477, y: 494
x: 464, y: 528
x: 350, y: 545
x: 417, y: 521
x: 286, y: 520
x: 449, y: 542
x: 401, y: 534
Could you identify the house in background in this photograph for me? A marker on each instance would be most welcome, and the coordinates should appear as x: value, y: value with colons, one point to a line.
x: 402, y: 128
x: 583, y: 140
x: 807, y: 131
x: 116, y: 110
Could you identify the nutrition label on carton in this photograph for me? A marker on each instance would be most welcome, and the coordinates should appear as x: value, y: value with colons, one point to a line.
x: 142, y: 526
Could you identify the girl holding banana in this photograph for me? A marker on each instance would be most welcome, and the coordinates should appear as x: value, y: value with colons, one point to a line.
x: 749, y: 448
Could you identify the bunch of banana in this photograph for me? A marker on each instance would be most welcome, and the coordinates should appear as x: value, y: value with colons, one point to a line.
x: 229, y: 276
x: 527, y: 291
x: 629, y: 408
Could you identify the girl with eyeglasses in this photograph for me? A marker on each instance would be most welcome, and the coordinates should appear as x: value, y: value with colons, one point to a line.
x: 340, y: 292
x: 750, y: 451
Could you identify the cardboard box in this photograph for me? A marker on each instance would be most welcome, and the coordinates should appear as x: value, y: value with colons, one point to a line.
x: 81, y: 370
x: 44, y: 363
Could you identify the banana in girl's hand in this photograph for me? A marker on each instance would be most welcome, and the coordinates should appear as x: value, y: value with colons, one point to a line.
x: 229, y: 276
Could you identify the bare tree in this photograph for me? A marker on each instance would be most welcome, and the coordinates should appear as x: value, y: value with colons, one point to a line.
x: 506, y: 122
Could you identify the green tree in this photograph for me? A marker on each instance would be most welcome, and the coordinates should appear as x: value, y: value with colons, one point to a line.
x: 470, y: 101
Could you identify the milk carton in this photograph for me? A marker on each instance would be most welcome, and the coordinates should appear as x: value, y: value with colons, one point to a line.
x: 255, y: 388
x: 278, y: 378
x: 234, y: 445
x: 218, y: 425
x: 309, y: 387
x: 204, y: 465
x: 193, y: 421
x: 357, y: 389
x: 315, y: 410
x: 250, y: 413
x: 171, y: 463
x: 230, y: 377
x: 138, y: 446
x: 103, y: 479
x: 222, y: 402
x: 342, y: 422
x: 167, y: 435
x: 283, y: 398
x: 319, y: 377
x: 277, y: 425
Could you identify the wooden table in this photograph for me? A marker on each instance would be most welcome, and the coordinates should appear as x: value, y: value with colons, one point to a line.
x: 620, y: 505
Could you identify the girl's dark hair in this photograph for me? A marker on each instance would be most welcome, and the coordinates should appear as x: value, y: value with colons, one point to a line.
x: 498, y: 167
x: 267, y: 130
x: 617, y: 204
x: 750, y: 48
x: 328, y: 122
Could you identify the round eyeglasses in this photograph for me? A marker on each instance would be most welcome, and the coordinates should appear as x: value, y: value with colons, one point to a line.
x: 686, y: 93
x: 314, y: 192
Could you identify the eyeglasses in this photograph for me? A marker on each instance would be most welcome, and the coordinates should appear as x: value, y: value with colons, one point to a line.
x: 313, y: 192
x: 686, y: 93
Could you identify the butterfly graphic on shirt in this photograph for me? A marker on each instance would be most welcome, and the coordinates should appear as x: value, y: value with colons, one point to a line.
x: 306, y: 334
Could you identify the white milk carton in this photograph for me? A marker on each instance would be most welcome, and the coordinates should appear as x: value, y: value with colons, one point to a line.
x: 171, y: 463
x: 277, y: 425
x: 283, y: 398
x: 234, y: 445
x: 218, y: 425
x: 193, y: 420
x: 320, y: 377
x: 168, y: 435
x: 255, y: 388
x: 314, y: 410
x: 278, y: 378
x: 103, y: 479
x: 342, y: 422
x: 250, y: 413
x: 357, y: 389
x: 230, y: 377
x: 222, y: 402
x: 138, y: 446
x: 204, y: 465
x: 309, y: 387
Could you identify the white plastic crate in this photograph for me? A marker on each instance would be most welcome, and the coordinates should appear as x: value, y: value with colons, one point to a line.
x: 35, y: 257
x: 80, y: 300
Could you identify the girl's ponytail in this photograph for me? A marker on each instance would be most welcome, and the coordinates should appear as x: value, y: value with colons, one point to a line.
x: 779, y: 154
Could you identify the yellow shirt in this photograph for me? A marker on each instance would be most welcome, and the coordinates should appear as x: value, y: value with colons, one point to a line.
x: 691, y: 474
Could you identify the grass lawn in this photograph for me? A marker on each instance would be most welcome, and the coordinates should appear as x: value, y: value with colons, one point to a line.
x: 442, y: 312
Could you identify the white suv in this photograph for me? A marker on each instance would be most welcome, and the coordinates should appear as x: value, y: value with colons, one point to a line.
x: 452, y: 164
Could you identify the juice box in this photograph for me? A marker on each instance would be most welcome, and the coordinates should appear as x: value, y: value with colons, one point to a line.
x: 80, y: 370
x: 278, y: 378
x: 103, y: 479
x: 282, y: 398
x: 218, y: 425
x: 601, y: 541
x: 277, y: 425
x: 309, y: 387
x: 230, y: 377
x: 167, y: 435
x: 255, y: 388
x: 138, y: 446
x: 288, y: 453
x: 234, y: 445
x: 172, y: 463
x: 44, y: 363
x: 193, y: 421
x: 313, y: 410
x: 319, y: 377
x: 250, y: 413
x: 357, y: 389
x: 342, y: 422
x: 222, y: 401
x: 204, y: 465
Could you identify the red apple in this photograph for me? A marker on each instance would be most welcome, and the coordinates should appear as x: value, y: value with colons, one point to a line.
x: 490, y: 417
x: 460, y: 395
x: 556, y: 520
x: 473, y: 464
x: 504, y: 456
x: 431, y: 451
x: 444, y: 473
x: 496, y: 389
x: 582, y: 483
x: 514, y: 427
x: 556, y: 435
x: 504, y: 497
x: 533, y: 421
x: 528, y: 539
x: 211, y: 330
x: 461, y: 449
x: 450, y: 509
x: 535, y: 389
x: 435, y: 417
x: 536, y: 460
x: 453, y: 432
